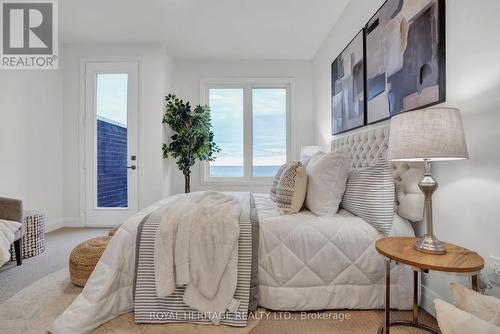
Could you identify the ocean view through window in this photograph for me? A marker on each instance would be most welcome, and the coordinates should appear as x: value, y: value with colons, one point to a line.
x: 250, y: 127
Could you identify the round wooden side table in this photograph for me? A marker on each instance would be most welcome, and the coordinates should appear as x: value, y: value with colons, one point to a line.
x: 401, y: 250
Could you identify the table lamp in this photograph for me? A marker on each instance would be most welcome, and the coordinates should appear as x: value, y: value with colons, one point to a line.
x: 433, y: 134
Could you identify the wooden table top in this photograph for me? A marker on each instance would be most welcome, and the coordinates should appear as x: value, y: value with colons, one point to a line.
x: 456, y: 259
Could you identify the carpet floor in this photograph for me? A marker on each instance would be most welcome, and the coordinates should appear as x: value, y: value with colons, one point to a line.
x: 58, y: 246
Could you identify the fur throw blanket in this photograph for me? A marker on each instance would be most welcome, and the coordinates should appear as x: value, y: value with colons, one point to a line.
x: 196, y: 245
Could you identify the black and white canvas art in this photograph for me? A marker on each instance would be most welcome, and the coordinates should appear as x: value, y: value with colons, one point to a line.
x: 405, y: 57
x: 348, y: 87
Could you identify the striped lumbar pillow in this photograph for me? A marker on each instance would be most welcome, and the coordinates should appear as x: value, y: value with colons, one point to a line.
x: 272, y: 192
x: 292, y: 187
x: 370, y: 194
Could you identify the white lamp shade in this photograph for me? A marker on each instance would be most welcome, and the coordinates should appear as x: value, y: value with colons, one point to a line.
x: 434, y: 134
x: 309, y: 151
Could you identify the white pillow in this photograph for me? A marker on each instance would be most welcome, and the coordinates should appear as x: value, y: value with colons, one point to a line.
x: 291, y: 188
x: 453, y: 320
x: 326, y: 181
x: 484, y: 307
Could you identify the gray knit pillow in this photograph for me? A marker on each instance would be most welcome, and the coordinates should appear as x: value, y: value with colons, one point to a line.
x: 272, y: 192
x: 370, y: 194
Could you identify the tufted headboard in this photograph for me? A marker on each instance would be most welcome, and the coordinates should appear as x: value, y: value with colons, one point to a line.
x: 370, y: 145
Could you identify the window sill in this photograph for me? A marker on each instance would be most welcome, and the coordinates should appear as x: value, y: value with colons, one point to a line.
x: 224, y: 181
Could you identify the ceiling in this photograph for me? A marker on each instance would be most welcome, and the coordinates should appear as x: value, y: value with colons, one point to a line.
x: 205, y: 29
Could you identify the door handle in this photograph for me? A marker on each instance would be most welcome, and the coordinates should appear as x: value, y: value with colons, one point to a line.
x: 132, y: 167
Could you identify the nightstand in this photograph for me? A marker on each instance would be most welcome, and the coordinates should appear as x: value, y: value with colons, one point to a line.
x: 401, y: 250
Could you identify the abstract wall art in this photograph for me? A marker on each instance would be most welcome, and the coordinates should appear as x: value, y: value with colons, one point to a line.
x: 405, y: 57
x: 348, y: 87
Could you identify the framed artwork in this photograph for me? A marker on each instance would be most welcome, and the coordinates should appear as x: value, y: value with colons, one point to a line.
x: 348, y: 87
x: 405, y: 57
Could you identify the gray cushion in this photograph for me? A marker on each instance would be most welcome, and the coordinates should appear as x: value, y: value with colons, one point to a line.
x: 12, y: 209
x: 370, y: 194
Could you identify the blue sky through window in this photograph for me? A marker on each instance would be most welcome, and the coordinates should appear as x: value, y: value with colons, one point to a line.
x: 111, y: 97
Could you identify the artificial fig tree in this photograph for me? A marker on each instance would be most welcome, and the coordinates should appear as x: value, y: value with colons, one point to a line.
x: 192, y: 137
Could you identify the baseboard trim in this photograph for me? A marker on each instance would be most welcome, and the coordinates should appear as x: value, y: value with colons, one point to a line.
x: 54, y: 224
x: 427, y: 300
x: 73, y: 222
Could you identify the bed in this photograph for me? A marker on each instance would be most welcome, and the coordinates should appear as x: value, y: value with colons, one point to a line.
x: 304, y: 262
x: 314, y: 263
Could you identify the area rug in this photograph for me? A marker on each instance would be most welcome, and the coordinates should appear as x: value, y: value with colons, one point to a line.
x: 337, y: 322
x: 31, y: 311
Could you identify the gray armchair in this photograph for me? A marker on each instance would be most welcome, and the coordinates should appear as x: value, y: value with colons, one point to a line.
x: 12, y: 209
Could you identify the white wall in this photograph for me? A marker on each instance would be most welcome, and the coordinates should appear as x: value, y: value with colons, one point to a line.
x: 155, y: 76
x: 466, y: 205
x: 31, y: 155
x: 187, y: 86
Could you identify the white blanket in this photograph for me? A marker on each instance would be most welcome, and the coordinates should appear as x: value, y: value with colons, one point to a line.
x: 8, y: 230
x: 197, y: 245
x: 315, y: 263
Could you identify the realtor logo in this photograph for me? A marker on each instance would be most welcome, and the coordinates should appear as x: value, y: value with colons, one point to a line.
x: 28, y: 34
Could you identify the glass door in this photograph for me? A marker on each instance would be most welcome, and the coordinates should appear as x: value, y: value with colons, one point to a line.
x: 111, y: 94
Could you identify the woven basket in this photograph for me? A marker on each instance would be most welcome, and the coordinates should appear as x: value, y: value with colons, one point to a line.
x: 84, y: 258
x: 34, y: 236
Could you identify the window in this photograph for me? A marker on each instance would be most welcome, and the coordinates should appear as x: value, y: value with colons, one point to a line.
x: 268, y: 130
x: 250, y: 125
x: 226, y: 106
x: 111, y: 111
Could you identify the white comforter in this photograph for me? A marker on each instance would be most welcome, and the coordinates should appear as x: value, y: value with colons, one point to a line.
x: 298, y: 255
x: 314, y: 263
x: 8, y: 230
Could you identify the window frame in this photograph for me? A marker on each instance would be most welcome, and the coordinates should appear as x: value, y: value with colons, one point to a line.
x: 247, y: 84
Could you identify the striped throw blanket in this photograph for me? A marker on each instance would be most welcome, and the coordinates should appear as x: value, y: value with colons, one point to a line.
x: 149, y: 308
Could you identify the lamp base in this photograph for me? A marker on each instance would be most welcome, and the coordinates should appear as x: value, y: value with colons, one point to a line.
x: 430, y: 244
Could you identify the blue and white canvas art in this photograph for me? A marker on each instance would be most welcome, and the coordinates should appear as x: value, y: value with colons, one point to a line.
x: 348, y: 87
x: 405, y: 57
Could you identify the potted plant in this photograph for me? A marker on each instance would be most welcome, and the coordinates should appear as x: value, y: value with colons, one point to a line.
x: 192, y: 139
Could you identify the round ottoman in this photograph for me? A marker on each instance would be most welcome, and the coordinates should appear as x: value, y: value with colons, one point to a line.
x: 84, y: 258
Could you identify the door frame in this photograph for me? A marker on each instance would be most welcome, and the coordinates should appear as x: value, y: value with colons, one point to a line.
x: 81, y: 221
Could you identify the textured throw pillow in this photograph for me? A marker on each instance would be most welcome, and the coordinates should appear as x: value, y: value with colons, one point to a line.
x: 292, y: 187
x: 484, y: 307
x: 453, y: 320
x: 272, y: 192
x: 370, y: 194
x: 326, y: 179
